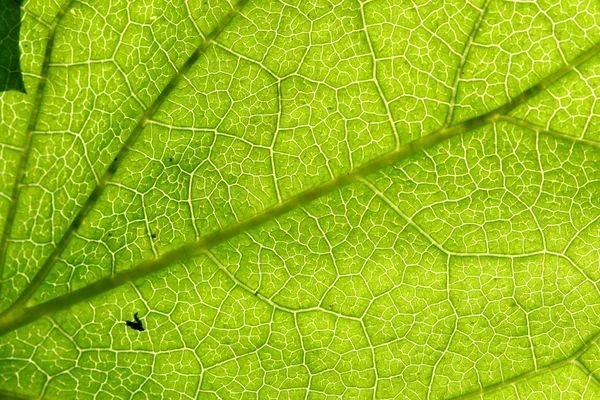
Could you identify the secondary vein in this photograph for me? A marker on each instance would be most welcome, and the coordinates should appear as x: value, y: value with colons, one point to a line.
x: 113, y: 167
x: 33, y: 117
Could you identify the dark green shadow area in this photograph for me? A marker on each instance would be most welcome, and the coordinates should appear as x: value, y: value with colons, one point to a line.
x: 10, y: 24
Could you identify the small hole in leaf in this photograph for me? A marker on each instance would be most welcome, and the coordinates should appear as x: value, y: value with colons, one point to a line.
x: 154, y: 236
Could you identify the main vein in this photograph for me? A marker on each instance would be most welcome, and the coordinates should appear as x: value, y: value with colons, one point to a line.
x: 18, y: 316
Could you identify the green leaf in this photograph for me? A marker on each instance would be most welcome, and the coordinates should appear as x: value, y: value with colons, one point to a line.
x: 302, y: 199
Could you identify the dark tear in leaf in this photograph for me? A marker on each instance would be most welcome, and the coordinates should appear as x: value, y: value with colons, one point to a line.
x: 10, y: 24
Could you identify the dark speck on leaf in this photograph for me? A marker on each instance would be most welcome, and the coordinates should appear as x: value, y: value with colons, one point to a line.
x: 137, y: 325
x: 154, y: 236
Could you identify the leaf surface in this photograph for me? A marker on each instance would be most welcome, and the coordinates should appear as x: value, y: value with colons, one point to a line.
x: 387, y: 199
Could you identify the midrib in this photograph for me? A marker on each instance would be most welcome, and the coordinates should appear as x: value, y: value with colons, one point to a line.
x: 18, y: 315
